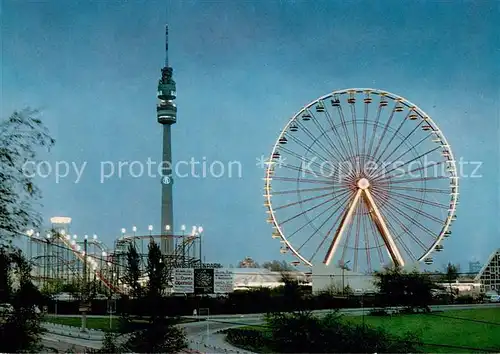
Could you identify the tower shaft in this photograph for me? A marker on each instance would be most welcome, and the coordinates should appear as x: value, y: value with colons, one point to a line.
x: 166, y: 113
x: 167, y: 208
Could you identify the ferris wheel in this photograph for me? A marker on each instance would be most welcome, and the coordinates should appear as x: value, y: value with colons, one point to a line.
x: 361, y: 177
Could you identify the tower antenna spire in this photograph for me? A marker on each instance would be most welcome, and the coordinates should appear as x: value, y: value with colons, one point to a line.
x: 166, y: 45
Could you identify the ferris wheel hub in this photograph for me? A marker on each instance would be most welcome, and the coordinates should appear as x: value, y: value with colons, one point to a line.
x: 363, y: 183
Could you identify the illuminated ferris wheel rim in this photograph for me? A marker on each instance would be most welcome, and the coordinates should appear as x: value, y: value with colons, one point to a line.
x: 411, y: 106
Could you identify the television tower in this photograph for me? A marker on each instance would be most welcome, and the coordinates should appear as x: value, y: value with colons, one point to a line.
x: 166, y: 112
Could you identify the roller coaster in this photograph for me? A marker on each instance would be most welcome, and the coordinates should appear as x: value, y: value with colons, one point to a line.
x: 58, y: 256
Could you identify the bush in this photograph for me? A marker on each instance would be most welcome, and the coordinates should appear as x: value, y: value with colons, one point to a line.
x: 165, y: 338
x: 249, y: 339
x: 304, y: 333
x: 466, y: 299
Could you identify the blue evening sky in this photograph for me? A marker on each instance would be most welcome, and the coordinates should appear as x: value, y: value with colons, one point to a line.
x: 242, y: 69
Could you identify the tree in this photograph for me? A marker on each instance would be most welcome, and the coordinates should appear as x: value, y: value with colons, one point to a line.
x: 20, y: 136
x: 277, y: 266
x: 451, y: 274
x: 20, y: 329
x: 398, y: 287
x: 248, y: 262
x: 162, y: 335
x: 133, y: 272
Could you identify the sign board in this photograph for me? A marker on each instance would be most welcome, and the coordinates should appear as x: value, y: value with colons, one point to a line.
x: 223, y: 281
x: 208, y: 265
x: 203, y: 281
x: 183, y: 280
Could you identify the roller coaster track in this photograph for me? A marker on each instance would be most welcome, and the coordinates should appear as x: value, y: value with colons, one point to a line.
x: 81, y: 258
x: 186, y: 242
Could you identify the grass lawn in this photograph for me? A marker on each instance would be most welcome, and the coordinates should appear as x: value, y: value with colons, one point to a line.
x: 457, y: 328
x: 461, y: 328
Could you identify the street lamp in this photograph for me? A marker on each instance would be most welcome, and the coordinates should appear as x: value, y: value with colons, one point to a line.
x: 343, y: 265
x: 150, y: 228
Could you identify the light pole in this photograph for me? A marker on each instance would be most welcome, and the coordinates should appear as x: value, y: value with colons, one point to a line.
x: 84, y: 297
x: 183, y: 229
x: 200, y: 231
x: 344, y: 267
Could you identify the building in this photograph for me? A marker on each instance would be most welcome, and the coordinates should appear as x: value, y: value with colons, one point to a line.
x: 489, y: 275
x: 475, y: 267
x: 335, y: 278
x: 252, y: 278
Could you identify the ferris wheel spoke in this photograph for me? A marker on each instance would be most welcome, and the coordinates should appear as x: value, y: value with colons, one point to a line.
x: 316, y: 230
x: 383, y: 230
x: 412, y: 220
x: 407, y: 230
x: 301, y: 170
x: 334, y: 175
x: 365, y: 127
x: 302, y: 201
x: 293, y: 191
x: 416, y: 170
x: 346, y: 131
x: 411, y: 180
x: 364, y: 211
x: 426, y: 190
x: 331, y: 229
x: 377, y: 119
x: 315, y: 141
x: 308, y: 148
x: 396, y: 132
x: 418, y: 211
x: 345, y: 220
x: 413, y: 147
x: 421, y: 200
x: 305, y: 180
x: 355, y: 129
x: 403, y: 141
x: 406, y: 163
x: 400, y: 241
x: 338, y: 202
x: 308, y: 210
x: 384, y: 131
x: 303, y: 159
x: 356, y: 243
x: 324, y: 134
x: 329, y: 118
x: 377, y: 241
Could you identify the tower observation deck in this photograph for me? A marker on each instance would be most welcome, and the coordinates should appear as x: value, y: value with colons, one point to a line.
x: 166, y: 113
